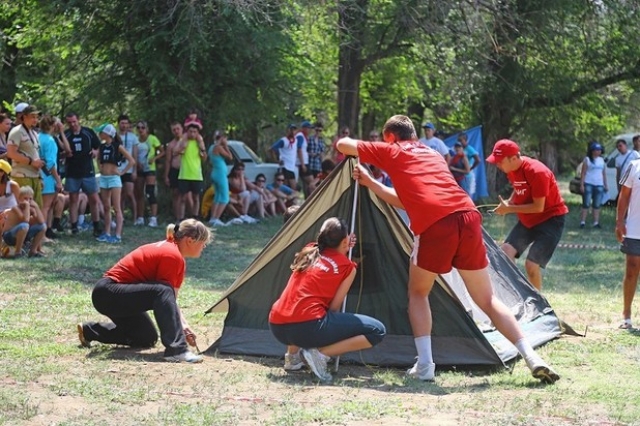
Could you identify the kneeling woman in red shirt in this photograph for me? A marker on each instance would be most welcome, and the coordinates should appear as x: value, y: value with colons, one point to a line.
x: 148, y: 279
x: 307, y: 313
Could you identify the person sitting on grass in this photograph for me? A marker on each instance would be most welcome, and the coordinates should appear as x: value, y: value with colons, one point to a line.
x: 286, y: 195
x: 307, y: 314
x: 146, y: 279
x: 24, y: 224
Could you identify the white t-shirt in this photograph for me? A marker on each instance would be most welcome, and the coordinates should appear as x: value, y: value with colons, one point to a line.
x: 632, y: 180
x: 301, y: 142
x: 436, y: 144
x: 288, y: 153
x: 595, y: 169
x: 625, y: 160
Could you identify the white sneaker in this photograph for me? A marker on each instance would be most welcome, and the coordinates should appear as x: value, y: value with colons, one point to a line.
x: 293, y: 362
x: 113, y: 224
x: 217, y: 223
x: 187, y: 356
x: 153, y: 222
x: 248, y: 219
x: 426, y: 372
x: 235, y: 221
x: 541, y: 370
x: 139, y: 221
x: 317, y: 362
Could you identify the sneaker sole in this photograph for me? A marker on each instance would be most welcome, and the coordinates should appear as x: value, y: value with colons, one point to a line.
x: 295, y: 367
x: 177, y: 361
x: 545, y: 375
x: 312, y: 366
x: 83, y: 342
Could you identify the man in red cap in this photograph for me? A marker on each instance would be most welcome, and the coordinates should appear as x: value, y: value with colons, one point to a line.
x: 537, y: 201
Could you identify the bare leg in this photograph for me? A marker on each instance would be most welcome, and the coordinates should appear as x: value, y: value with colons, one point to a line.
x: 94, y: 206
x: 73, y: 207
x: 596, y: 216
x: 20, y: 236
x: 351, y: 344
x: 36, y: 244
x: 629, y: 284
x: 420, y: 285
x: 195, y: 209
x: 534, y: 273
x: 510, y: 251
x: 106, y: 205
x: 117, y: 207
x: 138, y: 192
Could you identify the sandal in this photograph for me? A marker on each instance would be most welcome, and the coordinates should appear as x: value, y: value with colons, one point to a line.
x: 625, y: 324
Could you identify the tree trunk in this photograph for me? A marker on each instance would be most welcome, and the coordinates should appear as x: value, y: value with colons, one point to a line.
x: 549, y: 155
x: 351, y: 16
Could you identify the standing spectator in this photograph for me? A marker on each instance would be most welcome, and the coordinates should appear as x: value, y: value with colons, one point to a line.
x: 628, y: 233
x: 285, y: 150
x: 80, y: 173
x: 623, y: 161
x: 433, y: 142
x: 374, y: 136
x: 636, y: 143
x: 537, y: 201
x: 459, y: 166
x: 218, y: 152
x: 23, y: 150
x: 336, y: 155
x: 19, y: 109
x: 190, y: 178
x: 302, y: 161
x: 149, y: 150
x: 172, y: 160
x: 130, y: 143
x: 474, y: 160
x: 449, y: 236
x: 5, y: 127
x: 51, y: 182
x: 148, y: 278
x: 593, y: 183
x: 315, y: 148
x: 112, y: 152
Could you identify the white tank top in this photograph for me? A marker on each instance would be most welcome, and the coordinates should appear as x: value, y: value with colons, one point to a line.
x: 594, y: 171
x: 7, y: 200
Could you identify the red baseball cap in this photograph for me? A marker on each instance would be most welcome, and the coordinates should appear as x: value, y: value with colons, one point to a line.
x: 503, y: 148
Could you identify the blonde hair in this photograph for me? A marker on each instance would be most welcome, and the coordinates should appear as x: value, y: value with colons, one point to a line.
x: 331, y: 234
x: 189, y: 228
x: 26, y: 190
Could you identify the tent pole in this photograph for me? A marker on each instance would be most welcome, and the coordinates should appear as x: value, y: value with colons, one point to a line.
x: 353, y: 227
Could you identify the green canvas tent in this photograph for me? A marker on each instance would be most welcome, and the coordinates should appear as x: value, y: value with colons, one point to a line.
x: 462, y: 335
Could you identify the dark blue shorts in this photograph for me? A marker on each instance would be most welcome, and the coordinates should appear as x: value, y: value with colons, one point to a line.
x: 630, y: 246
x: 543, y: 239
x: 332, y: 328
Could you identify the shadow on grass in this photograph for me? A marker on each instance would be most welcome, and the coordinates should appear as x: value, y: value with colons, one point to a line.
x: 122, y: 353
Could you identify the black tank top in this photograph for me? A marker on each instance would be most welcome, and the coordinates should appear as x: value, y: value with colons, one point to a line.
x: 109, y: 154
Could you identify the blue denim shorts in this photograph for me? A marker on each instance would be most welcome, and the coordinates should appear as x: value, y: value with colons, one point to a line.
x: 593, y: 194
x: 9, y: 236
x: 110, y: 181
x: 89, y: 185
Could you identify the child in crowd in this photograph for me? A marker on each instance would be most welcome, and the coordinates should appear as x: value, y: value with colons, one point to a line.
x: 24, y: 225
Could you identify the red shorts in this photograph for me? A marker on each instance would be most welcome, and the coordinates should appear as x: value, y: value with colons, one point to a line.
x: 454, y: 241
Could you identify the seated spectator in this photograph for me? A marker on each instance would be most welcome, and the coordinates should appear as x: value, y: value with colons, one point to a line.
x: 24, y: 223
x: 290, y: 212
x: 62, y: 203
x: 285, y: 195
x: 269, y: 200
x: 245, y: 194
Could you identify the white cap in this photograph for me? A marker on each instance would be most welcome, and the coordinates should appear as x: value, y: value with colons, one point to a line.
x: 109, y: 130
x: 20, y: 107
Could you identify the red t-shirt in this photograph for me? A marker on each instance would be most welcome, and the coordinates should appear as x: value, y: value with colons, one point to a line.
x: 150, y: 263
x: 534, y: 180
x: 421, y: 178
x: 309, y: 293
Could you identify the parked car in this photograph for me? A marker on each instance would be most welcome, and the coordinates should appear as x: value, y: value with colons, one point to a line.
x: 610, y: 160
x: 252, y: 163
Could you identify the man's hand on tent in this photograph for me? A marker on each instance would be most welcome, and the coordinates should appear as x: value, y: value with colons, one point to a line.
x: 362, y: 175
x: 503, y: 207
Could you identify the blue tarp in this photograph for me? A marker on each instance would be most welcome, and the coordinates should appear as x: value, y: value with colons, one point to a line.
x: 474, y: 136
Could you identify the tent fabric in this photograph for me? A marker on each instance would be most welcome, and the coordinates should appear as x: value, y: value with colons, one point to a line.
x: 462, y: 335
x: 474, y: 136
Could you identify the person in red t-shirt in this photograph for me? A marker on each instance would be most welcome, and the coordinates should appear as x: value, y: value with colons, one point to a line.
x: 307, y: 314
x: 147, y: 279
x: 537, y: 201
x: 448, y: 233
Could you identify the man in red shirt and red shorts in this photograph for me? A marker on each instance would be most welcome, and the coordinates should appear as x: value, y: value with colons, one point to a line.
x: 448, y: 233
x: 537, y: 201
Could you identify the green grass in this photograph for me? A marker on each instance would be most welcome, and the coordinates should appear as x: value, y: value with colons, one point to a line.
x: 45, y: 378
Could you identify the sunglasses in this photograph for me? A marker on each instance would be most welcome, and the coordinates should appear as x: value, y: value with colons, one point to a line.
x: 141, y: 127
x: 279, y: 180
x: 261, y: 181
